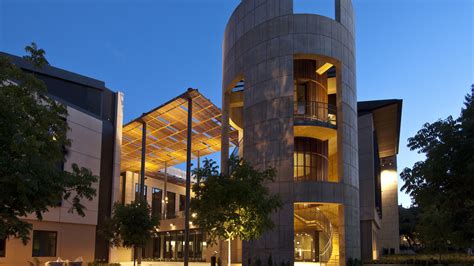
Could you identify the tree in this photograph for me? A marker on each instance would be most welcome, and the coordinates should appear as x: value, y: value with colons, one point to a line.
x: 33, y: 142
x: 442, y: 185
x: 131, y: 226
x: 233, y: 206
x: 408, y: 222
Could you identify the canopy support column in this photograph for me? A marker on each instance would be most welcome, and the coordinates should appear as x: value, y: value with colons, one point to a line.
x: 142, y: 197
x: 198, y: 160
x: 142, y: 166
x: 188, y: 180
x: 165, y: 193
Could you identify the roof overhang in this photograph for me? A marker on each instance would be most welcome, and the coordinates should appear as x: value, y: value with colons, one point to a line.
x: 387, y: 116
x: 166, y: 137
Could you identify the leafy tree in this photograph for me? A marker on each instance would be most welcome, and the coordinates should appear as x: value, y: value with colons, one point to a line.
x: 233, y: 206
x: 442, y: 185
x: 131, y: 226
x: 33, y: 141
x: 408, y: 222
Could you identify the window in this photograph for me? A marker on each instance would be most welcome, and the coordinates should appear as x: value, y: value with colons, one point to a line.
x: 44, y: 243
x: 3, y: 245
x: 169, y: 246
x: 310, y: 159
x: 182, y: 202
x: 171, y: 205
x: 325, y: 8
x: 137, y: 191
x: 156, y: 198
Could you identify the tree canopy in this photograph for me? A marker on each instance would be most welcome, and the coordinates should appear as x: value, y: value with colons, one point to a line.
x: 131, y: 225
x: 408, y: 222
x: 442, y: 186
x: 33, y: 146
x: 233, y: 206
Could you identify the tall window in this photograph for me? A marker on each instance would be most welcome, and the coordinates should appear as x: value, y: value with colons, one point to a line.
x: 156, y: 198
x: 171, y: 205
x: 182, y: 202
x: 137, y: 191
x: 3, y: 245
x: 44, y: 243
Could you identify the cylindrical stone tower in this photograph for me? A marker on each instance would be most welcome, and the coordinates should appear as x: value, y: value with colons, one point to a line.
x: 289, y: 87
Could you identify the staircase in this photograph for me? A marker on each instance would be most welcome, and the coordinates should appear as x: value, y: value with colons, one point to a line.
x: 314, y: 218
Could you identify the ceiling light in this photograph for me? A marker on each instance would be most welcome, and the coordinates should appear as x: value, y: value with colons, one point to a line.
x: 324, y: 68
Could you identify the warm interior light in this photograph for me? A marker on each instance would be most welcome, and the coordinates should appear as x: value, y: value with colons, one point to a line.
x: 388, y: 178
x: 194, y: 215
x: 324, y: 68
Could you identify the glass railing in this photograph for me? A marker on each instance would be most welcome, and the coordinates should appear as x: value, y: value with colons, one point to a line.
x: 315, y: 111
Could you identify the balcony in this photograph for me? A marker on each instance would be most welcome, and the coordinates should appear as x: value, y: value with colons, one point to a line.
x: 315, y: 113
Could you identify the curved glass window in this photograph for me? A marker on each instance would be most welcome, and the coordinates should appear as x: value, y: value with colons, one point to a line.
x: 310, y: 159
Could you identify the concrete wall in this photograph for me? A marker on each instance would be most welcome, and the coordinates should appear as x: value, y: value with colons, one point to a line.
x: 262, y: 39
x: 370, y: 221
x: 73, y: 241
x: 390, y: 236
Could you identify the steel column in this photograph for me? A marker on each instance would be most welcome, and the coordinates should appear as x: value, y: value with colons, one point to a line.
x: 188, y: 180
x: 142, y: 168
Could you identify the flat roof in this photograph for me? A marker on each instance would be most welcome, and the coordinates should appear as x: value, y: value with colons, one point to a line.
x: 166, y: 137
x: 387, y: 122
x: 55, y: 72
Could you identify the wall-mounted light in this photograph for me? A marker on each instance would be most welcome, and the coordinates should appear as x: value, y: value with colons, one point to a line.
x: 388, y: 178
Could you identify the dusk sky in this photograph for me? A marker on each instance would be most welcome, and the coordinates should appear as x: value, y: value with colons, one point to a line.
x: 420, y: 51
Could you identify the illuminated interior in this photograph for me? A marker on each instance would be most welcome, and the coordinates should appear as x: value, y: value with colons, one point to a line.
x: 317, y: 233
x: 315, y: 114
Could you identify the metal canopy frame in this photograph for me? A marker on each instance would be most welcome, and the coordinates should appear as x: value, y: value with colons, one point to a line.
x: 166, y: 134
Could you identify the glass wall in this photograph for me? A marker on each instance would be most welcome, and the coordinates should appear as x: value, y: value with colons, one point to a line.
x: 169, y: 246
x: 310, y: 159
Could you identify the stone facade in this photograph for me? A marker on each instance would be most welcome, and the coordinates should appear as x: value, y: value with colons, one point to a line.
x: 262, y: 39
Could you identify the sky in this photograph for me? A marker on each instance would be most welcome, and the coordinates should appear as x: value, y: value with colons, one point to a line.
x: 420, y: 51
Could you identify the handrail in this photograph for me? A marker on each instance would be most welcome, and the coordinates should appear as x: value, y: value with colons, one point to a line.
x: 315, y: 111
x: 322, y: 221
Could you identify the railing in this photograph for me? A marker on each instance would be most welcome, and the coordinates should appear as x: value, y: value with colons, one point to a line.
x: 316, y: 111
x: 317, y: 218
x: 172, y: 215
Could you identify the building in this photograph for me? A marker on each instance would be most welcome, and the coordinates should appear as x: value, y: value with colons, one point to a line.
x: 165, y: 128
x: 289, y: 101
x: 379, y: 133
x: 297, y: 111
x: 95, y: 118
x: 289, y: 88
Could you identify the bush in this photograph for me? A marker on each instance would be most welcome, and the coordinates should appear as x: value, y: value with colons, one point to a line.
x: 425, y: 259
x: 95, y: 263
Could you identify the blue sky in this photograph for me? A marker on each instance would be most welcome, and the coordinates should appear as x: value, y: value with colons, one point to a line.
x: 418, y: 50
